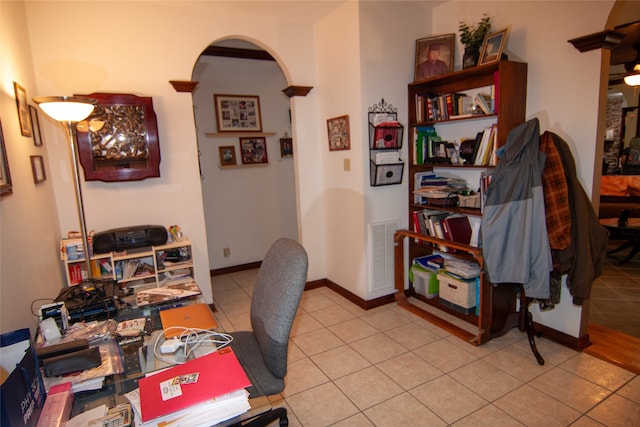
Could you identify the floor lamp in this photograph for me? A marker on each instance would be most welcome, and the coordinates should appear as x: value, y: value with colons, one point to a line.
x: 69, y: 110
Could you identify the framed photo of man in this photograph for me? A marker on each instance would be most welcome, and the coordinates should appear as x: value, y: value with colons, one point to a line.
x: 434, y: 56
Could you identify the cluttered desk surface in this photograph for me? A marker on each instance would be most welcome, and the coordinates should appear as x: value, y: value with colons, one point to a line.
x: 137, y: 341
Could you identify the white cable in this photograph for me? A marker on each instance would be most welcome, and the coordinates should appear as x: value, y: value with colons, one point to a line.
x: 192, y: 338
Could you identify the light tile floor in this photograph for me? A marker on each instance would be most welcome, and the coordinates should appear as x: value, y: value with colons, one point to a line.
x: 387, y: 367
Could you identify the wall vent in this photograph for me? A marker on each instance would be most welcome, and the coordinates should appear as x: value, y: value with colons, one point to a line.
x: 382, y: 257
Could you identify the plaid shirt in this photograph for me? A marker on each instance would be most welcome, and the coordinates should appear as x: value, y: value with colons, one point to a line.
x: 556, y: 196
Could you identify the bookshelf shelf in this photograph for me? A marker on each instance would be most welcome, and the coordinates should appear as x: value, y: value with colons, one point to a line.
x: 506, y: 81
x: 150, y: 265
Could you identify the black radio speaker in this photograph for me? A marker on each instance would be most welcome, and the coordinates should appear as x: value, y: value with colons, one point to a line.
x: 120, y: 239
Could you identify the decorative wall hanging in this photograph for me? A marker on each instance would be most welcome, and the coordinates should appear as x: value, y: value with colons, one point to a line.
x: 253, y: 150
x: 237, y: 113
x: 385, y: 142
x: 119, y: 140
x: 35, y: 125
x: 5, y: 176
x: 227, y: 155
x: 338, y: 129
x: 23, y: 109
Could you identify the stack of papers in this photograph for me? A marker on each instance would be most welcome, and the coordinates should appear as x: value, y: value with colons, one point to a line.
x: 203, y: 391
x: 208, y: 413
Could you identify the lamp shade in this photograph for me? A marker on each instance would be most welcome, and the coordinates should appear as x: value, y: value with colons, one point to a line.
x: 66, y: 108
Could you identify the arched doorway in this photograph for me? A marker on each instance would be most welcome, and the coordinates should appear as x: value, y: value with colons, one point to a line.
x: 249, y: 202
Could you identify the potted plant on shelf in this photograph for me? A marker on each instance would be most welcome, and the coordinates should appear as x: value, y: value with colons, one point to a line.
x: 472, y: 36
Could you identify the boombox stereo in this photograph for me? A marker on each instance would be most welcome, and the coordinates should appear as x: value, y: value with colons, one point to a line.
x: 120, y: 239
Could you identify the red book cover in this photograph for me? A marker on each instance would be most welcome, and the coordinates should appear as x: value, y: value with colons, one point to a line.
x: 215, y: 374
x: 457, y: 229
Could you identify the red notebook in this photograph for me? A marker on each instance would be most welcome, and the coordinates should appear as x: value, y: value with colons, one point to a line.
x: 218, y: 373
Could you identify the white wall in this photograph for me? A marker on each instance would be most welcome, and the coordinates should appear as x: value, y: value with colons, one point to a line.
x: 387, y: 61
x: 246, y: 207
x: 339, y: 71
x: 30, y: 266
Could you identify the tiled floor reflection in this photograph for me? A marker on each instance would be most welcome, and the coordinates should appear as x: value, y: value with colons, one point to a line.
x: 386, y: 367
x: 615, y: 296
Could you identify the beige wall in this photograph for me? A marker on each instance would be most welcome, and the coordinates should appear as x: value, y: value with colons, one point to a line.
x: 29, y: 239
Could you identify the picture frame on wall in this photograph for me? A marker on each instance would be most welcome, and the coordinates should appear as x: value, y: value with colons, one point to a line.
x: 22, y: 104
x: 492, y: 47
x: 286, y: 147
x: 35, y: 125
x: 338, y: 130
x: 6, y: 187
x: 253, y: 150
x: 37, y: 168
x: 434, y: 56
x: 227, y: 155
x: 237, y: 113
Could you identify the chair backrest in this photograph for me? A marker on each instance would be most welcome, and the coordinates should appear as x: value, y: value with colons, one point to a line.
x: 279, y: 286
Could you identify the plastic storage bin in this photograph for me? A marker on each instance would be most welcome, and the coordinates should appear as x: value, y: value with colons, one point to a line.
x: 425, y: 281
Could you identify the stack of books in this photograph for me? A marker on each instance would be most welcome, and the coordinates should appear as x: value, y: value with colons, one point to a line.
x: 201, y: 392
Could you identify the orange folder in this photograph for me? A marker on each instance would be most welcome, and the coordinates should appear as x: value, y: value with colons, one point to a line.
x: 218, y: 373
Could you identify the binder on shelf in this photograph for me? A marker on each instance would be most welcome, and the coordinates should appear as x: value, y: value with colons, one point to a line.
x: 456, y: 228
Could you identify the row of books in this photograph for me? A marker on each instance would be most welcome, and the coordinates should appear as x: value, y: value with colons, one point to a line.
x: 481, y: 150
x: 443, y: 225
x: 429, y: 148
x: 454, y: 105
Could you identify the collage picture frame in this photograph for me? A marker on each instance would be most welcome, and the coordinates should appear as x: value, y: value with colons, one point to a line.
x: 237, y: 113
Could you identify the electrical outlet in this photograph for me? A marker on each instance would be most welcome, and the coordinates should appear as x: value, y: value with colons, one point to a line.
x: 226, y: 252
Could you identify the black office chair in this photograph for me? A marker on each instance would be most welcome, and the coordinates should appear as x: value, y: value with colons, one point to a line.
x: 263, y: 351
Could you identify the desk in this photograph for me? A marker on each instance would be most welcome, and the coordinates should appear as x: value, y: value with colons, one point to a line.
x: 116, y: 386
x: 629, y: 230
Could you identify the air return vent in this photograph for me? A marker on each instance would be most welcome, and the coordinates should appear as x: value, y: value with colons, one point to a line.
x: 382, y: 253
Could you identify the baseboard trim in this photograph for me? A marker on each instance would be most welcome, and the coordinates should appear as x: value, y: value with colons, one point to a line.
x: 574, y: 343
x: 235, y: 268
x: 315, y: 284
x: 362, y: 303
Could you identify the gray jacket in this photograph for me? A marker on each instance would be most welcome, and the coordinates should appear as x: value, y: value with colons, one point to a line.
x: 515, y: 244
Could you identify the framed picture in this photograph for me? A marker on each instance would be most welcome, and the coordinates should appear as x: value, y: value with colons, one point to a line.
x: 237, y: 113
x: 434, y: 56
x: 338, y: 129
x: 35, y: 124
x: 227, y: 155
x: 492, y: 47
x: 286, y: 147
x: 37, y: 167
x: 23, y: 109
x: 5, y: 176
x: 253, y: 150
x: 119, y: 140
